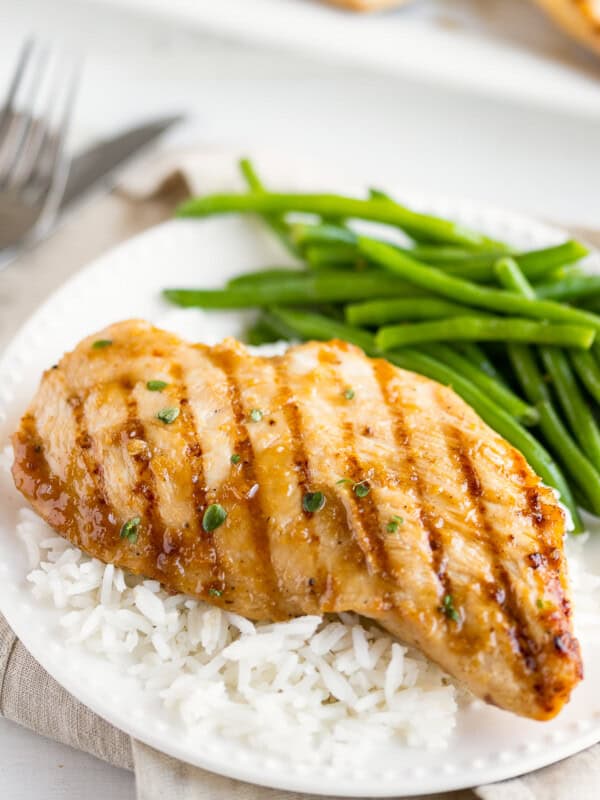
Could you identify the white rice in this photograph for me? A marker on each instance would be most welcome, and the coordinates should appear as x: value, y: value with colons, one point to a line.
x: 320, y: 684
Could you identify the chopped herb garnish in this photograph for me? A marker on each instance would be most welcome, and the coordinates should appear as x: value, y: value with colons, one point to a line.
x: 214, y: 516
x: 313, y: 501
x: 236, y: 458
x: 349, y: 394
x: 215, y: 592
x: 168, y: 415
x: 448, y: 608
x: 361, y: 489
x: 540, y: 603
x: 101, y: 343
x: 130, y: 529
x: 393, y: 524
x: 156, y: 386
x: 256, y: 415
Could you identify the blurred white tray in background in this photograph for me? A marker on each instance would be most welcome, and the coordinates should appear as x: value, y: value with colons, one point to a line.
x: 497, y: 47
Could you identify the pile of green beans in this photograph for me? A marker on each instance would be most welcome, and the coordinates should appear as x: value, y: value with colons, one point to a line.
x: 513, y: 332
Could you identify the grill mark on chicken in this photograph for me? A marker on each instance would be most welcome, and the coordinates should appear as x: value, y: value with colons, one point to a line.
x: 94, y: 468
x: 365, y: 509
x: 206, y: 544
x: 318, y: 584
x: 368, y: 531
x: 384, y: 373
x: 506, y: 598
x: 539, y: 514
x: 532, y: 495
x: 547, y: 557
x: 145, y: 485
x: 291, y: 413
x: 244, y: 480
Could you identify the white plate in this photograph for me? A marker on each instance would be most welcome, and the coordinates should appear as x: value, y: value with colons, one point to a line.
x: 488, y: 744
x: 499, y: 47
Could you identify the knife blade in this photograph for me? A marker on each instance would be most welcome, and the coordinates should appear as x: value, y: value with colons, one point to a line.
x: 101, y: 159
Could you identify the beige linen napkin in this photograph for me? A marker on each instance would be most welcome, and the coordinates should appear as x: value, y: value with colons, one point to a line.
x: 28, y: 695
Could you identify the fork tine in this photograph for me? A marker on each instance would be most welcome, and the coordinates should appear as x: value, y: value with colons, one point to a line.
x: 34, y: 121
x: 17, y: 77
x: 28, y: 78
x: 51, y: 167
x: 36, y: 152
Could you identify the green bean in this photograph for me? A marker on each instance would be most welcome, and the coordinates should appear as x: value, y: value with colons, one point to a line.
x: 572, y: 287
x: 582, y: 470
x: 250, y: 175
x: 558, y: 437
x: 588, y: 369
x: 330, y: 205
x: 295, y: 289
x: 580, y: 417
x: 321, y: 234
x: 327, y: 244
x: 480, y: 329
x: 420, y: 241
x: 591, y: 304
x: 330, y: 235
x: 261, y: 332
x: 454, y: 259
x: 435, y: 281
x: 578, y: 413
x: 307, y: 325
x: 524, y: 364
x: 498, y: 392
x: 378, y: 194
x: 579, y: 467
x: 440, y: 254
x: 537, y: 263
x: 380, y: 312
x: 263, y: 276
x: 510, y: 276
x: 312, y: 326
x: 275, y: 221
x: 479, y: 267
x: 344, y: 255
x: 551, y: 425
x: 568, y: 271
x: 477, y: 356
x: 527, y: 371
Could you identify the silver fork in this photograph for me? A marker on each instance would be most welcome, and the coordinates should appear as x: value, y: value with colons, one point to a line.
x: 34, y: 122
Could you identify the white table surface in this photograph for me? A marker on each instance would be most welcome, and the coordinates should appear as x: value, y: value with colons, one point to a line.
x: 387, y: 130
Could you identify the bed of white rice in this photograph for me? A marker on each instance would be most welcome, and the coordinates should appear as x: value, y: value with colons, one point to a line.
x: 319, y: 682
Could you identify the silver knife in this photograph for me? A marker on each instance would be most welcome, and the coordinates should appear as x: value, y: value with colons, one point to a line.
x: 89, y: 168
x: 103, y: 158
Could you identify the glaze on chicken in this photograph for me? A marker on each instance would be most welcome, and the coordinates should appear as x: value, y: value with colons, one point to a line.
x: 317, y: 481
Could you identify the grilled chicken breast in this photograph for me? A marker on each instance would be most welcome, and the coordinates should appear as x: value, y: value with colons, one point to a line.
x: 348, y: 485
